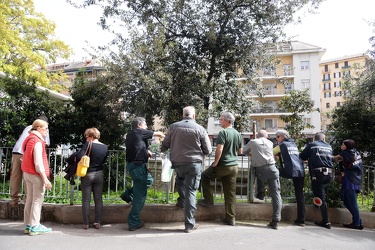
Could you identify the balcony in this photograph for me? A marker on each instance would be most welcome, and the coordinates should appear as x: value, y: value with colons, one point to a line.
x: 269, y: 110
x: 326, y: 79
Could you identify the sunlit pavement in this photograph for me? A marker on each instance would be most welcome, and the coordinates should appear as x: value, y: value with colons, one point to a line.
x: 210, y: 235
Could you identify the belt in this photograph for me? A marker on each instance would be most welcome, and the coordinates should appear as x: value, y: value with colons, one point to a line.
x: 322, y: 170
x: 137, y: 163
x: 16, y: 153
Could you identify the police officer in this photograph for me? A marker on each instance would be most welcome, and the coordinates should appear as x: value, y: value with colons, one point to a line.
x: 319, y: 154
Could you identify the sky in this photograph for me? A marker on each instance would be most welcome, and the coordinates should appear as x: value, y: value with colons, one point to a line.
x: 340, y: 26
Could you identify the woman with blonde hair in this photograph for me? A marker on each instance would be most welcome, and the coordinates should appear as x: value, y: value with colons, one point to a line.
x: 93, y: 180
x: 36, y: 172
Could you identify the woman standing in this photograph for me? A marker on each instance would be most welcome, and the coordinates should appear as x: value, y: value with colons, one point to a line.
x: 93, y: 180
x: 36, y: 171
x: 351, y: 170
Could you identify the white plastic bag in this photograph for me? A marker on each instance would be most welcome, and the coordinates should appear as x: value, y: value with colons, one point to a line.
x: 166, y: 170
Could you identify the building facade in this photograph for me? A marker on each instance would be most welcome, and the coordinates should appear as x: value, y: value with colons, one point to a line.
x: 298, y: 69
x: 333, y: 76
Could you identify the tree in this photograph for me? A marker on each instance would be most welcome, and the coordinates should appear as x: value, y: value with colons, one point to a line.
x: 97, y: 104
x: 27, y: 42
x: 297, y: 103
x: 179, y: 53
x: 20, y: 104
x: 355, y: 118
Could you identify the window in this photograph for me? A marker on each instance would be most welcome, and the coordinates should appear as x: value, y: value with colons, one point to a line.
x: 337, y: 84
x: 306, y: 120
x: 327, y: 95
x: 346, y: 74
x: 336, y: 65
x: 270, y: 89
x: 270, y: 124
x: 305, y: 83
x: 326, y: 68
x: 304, y: 64
x: 269, y: 71
x: 346, y: 64
x: 287, y: 70
x: 328, y: 105
x: 326, y: 77
x: 327, y: 86
x: 338, y: 93
x: 337, y: 75
x: 338, y: 104
x: 289, y: 86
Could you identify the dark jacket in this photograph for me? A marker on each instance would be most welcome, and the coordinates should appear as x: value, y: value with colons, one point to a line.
x: 352, y: 165
x: 319, y: 154
x: 291, y: 165
x: 71, y: 169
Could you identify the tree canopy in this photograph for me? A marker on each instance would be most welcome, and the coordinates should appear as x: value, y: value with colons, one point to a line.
x: 176, y: 53
x: 27, y: 42
x: 355, y: 118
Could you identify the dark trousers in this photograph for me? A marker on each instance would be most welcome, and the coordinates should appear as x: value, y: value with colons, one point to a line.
x: 318, y: 182
x: 298, y: 183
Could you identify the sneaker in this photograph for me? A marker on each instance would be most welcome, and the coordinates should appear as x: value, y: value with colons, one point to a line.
x: 299, y: 223
x: 229, y: 222
x: 352, y: 226
x: 273, y: 224
x: 96, y: 225
x: 323, y: 224
x: 140, y: 225
x: 38, y: 230
x: 191, y: 229
x: 27, y: 229
x: 204, y: 203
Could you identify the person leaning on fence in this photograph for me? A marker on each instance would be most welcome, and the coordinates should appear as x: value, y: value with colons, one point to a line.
x: 263, y: 162
x: 225, y: 167
x: 16, y: 172
x: 36, y: 172
x: 351, y: 169
x: 137, y: 155
x: 93, y: 180
x: 188, y: 143
x: 319, y: 156
x: 291, y: 167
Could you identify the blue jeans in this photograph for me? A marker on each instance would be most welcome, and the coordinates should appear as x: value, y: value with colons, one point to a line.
x: 350, y: 202
x: 139, y: 175
x: 187, y: 183
x: 270, y: 174
x: 92, y: 182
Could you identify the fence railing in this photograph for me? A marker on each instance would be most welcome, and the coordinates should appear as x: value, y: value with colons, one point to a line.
x: 116, y: 180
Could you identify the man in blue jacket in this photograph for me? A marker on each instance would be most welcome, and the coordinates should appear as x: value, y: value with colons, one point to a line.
x: 319, y: 156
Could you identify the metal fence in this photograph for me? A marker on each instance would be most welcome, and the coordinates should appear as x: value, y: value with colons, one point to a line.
x: 116, y: 180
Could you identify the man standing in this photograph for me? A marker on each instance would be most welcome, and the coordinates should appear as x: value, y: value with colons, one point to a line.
x: 16, y: 172
x: 291, y: 167
x: 188, y: 143
x: 225, y: 166
x: 137, y: 157
x: 263, y: 162
x: 319, y: 154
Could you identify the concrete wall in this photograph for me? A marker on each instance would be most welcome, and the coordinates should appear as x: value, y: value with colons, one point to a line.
x: 164, y: 213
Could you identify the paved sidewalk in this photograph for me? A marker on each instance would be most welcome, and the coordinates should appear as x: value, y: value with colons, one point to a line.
x: 210, y: 235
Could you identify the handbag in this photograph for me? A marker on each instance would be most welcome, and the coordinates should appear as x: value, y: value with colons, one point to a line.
x: 84, y: 163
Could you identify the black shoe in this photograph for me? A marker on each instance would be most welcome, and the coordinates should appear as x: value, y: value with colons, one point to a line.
x: 352, y: 226
x: 204, y: 203
x: 323, y: 224
x: 229, y: 222
x: 273, y: 224
x: 125, y: 197
x: 299, y: 223
x: 191, y: 229
x: 179, y: 205
x: 140, y: 225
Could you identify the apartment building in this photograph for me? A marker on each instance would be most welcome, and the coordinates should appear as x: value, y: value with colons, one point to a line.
x: 298, y: 69
x: 333, y: 73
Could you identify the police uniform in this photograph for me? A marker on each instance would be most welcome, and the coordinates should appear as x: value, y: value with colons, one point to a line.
x: 319, y: 155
